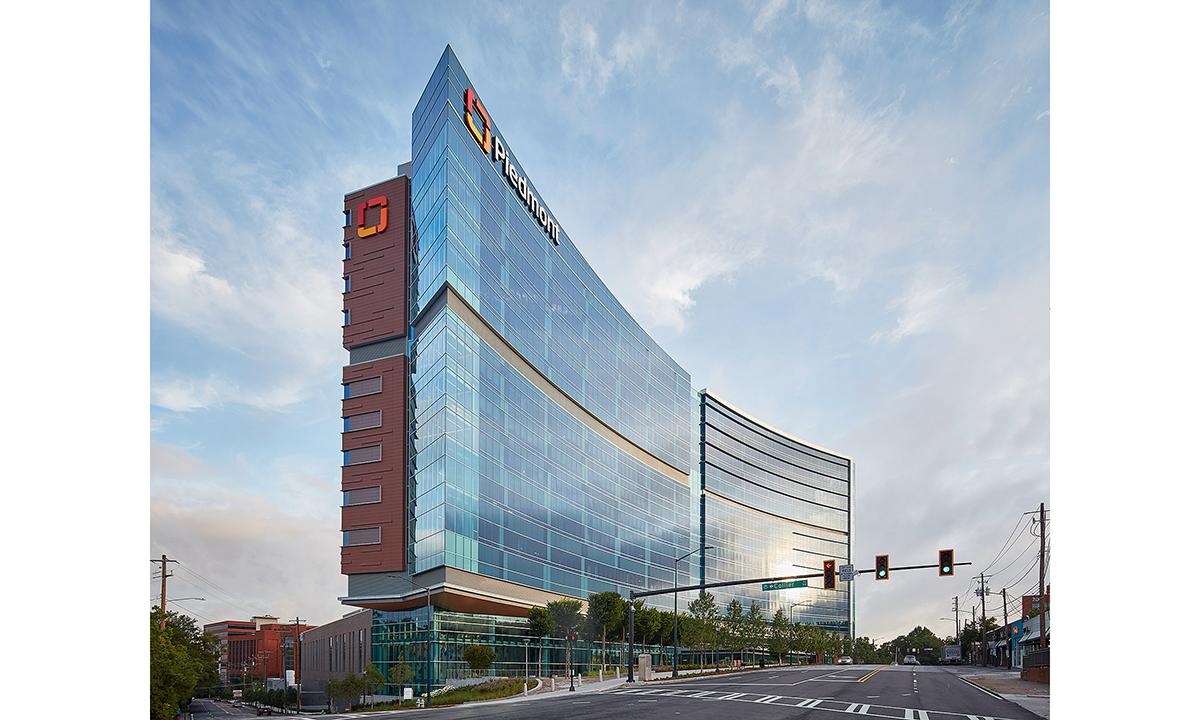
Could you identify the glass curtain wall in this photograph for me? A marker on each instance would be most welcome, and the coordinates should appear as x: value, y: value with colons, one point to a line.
x: 773, y: 507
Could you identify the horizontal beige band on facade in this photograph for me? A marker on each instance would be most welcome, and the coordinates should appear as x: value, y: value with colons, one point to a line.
x: 777, y: 517
x: 451, y: 300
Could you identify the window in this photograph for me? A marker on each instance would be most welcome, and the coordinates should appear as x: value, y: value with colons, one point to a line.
x: 359, y: 456
x: 345, y: 318
x: 358, y: 388
x: 347, y: 279
x: 361, y: 496
x: 362, y: 421
x: 361, y: 536
x: 347, y: 246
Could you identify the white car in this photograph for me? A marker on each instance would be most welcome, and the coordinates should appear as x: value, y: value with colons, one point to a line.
x: 845, y: 660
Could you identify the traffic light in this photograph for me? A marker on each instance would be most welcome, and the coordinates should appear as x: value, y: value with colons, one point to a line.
x: 881, y: 567
x: 945, y: 562
x: 830, y: 577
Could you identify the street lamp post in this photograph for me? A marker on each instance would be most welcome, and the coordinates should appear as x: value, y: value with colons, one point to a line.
x: 792, y: 620
x: 526, y: 690
x: 675, y: 667
x: 428, y: 637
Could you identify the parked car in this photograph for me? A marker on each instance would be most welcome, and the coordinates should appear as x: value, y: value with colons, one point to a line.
x: 264, y: 711
x: 911, y: 660
x: 845, y: 660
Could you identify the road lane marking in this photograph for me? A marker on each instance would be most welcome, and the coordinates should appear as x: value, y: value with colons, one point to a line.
x: 730, y: 696
x: 861, y: 679
x: 863, y: 709
x: 768, y: 698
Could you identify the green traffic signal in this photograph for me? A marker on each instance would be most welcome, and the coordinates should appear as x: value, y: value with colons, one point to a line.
x: 881, y: 567
x: 945, y: 562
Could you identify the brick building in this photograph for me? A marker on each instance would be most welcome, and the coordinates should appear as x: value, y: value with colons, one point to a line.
x: 1029, y: 603
x: 262, y: 648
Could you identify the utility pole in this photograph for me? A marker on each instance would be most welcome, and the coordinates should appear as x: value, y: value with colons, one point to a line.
x: 296, y: 664
x: 957, y: 632
x: 983, y: 612
x: 1041, y: 578
x: 162, y: 606
x: 1007, y: 643
x: 973, y: 659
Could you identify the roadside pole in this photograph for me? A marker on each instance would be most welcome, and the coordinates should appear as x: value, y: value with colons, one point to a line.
x: 1041, y: 579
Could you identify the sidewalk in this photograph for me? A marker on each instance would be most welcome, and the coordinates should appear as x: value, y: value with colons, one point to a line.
x: 1034, y: 697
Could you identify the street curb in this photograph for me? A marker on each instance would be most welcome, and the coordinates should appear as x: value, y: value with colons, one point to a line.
x: 993, y: 693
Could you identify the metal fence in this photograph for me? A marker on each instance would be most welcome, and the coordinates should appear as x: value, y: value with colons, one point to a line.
x: 1038, y: 658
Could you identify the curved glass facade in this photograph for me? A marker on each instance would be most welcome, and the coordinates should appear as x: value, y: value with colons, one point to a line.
x: 773, y: 506
x: 575, y: 486
x: 552, y: 444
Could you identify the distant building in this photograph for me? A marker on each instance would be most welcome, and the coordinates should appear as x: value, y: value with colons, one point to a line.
x: 1029, y: 603
x: 334, y: 649
x: 262, y: 648
x: 224, y: 630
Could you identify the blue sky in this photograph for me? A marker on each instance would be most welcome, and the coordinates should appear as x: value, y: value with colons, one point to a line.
x: 833, y: 215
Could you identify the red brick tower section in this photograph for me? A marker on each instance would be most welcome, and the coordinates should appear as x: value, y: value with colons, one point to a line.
x: 374, y: 508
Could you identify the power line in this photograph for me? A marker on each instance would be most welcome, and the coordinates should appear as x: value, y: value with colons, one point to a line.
x: 242, y: 602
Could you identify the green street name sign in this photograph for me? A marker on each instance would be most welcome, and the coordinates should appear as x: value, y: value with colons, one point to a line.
x: 785, y: 585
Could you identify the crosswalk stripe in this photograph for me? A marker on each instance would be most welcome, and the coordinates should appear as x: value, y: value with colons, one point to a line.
x: 851, y: 707
x: 768, y: 698
x: 702, y: 693
x: 863, y: 709
x: 731, y: 696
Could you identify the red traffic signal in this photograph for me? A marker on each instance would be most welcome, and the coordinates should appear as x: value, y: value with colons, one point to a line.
x: 945, y: 562
x: 830, y: 577
x: 881, y: 567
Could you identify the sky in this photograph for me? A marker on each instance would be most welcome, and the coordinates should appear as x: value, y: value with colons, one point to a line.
x: 172, y: 193
x: 835, y: 216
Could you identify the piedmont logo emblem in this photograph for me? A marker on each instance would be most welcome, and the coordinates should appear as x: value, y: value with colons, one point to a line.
x: 491, y: 146
x: 379, y: 202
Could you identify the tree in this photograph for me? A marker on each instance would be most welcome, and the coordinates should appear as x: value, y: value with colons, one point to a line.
x: 349, y: 688
x: 755, y: 627
x: 479, y: 657
x: 703, y: 611
x: 539, y: 626
x: 646, y: 620
x: 565, y: 618
x: 332, y: 690
x: 182, y: 657
x: 372, y: 680
x: 605, y: 612
x: 780, y: 635
x: 401, y: 674
x: 734, y: 635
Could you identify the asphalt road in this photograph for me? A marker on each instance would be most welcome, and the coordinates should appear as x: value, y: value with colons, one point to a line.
x: 203, y: 709
x: 897, y: 692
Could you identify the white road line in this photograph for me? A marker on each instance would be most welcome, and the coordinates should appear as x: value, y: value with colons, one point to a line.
x: 851, y: 707
x: 702, y: 693
x: 768, y: 698
x: 730, y: 696
x: 863, y: 710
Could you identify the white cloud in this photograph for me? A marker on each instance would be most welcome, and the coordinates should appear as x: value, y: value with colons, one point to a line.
x: 268, y: 534
x: 934, y: 297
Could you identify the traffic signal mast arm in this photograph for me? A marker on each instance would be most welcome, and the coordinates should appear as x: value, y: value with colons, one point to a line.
x: 906, y: 567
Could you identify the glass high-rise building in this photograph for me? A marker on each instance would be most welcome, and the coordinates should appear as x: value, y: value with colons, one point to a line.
x: 512, y: 436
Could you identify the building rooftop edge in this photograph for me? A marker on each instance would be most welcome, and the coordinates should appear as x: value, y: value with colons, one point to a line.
x: 789, y: 436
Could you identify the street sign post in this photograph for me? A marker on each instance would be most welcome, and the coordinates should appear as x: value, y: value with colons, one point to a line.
x: 785, y: 585
x: 846, y: 573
